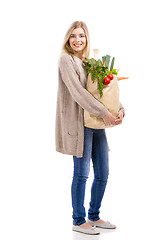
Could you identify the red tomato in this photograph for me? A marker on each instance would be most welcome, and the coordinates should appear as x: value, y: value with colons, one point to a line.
x: 110, y: 76
x: 106, y: 80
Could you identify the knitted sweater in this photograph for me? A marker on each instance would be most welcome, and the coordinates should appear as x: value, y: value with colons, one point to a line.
x: 72, y: 99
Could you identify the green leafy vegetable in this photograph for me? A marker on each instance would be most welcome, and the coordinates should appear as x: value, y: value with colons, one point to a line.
x: 99, y: 69
x: 112, y: 64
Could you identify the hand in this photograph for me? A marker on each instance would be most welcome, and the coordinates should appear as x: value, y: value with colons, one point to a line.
x: 109, y: 119
x: 119, y: 118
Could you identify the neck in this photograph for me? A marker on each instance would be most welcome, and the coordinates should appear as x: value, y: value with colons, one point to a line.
x: 79, y: 55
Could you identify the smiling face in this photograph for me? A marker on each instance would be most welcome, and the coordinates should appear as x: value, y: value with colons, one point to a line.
x: 78, y: 41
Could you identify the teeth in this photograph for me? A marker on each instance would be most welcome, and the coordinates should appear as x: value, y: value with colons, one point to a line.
x: 77, y: 45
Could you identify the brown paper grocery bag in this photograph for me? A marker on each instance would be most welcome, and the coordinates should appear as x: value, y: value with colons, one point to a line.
x: 110, y: 100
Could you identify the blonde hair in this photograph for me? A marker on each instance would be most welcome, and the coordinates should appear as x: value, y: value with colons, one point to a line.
x: 66, y: 48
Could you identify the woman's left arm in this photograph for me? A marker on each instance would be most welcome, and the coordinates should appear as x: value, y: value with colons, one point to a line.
x: 121, y: 114
x: 121, y: 109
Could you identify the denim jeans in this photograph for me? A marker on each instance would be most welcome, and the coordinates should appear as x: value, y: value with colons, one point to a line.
x: 95, y: 148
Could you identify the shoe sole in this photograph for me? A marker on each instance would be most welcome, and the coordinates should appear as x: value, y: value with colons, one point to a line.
x: 86, y: 233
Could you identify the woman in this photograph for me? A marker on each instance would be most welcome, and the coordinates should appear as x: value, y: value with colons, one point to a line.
x: 73, y: 138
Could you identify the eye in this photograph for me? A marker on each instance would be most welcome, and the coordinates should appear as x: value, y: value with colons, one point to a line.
x: 82, y: 35
x: 72, y: 36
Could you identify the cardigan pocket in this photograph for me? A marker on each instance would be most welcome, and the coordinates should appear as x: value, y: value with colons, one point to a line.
x: 72, y: 131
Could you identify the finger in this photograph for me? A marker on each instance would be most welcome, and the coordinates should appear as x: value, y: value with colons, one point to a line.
x: 118, y: 121
x: 120, y: 117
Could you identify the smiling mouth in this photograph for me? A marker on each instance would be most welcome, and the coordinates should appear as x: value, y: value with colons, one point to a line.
x: 77, y: 45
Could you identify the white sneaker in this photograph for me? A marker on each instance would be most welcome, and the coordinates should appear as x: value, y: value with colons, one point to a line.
x: 106, y: 225
x: 90, y: 231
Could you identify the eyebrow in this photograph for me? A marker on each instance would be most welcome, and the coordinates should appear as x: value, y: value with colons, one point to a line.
x: 78, y: 34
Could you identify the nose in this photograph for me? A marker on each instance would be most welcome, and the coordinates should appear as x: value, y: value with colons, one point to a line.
x: 77, y: 38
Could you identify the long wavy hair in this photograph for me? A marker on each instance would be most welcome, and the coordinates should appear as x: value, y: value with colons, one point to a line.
x: 66, y: 48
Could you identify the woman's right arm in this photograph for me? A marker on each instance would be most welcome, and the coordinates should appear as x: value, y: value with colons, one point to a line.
x: 109, y: 119
x: 78, y: 92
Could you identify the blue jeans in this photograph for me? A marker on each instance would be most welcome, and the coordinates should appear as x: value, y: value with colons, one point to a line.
x: 95, y: 147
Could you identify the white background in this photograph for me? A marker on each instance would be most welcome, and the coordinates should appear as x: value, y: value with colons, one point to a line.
x: 35, y: 201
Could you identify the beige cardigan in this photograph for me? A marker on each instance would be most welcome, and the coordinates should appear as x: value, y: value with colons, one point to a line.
x: 72, y: 99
